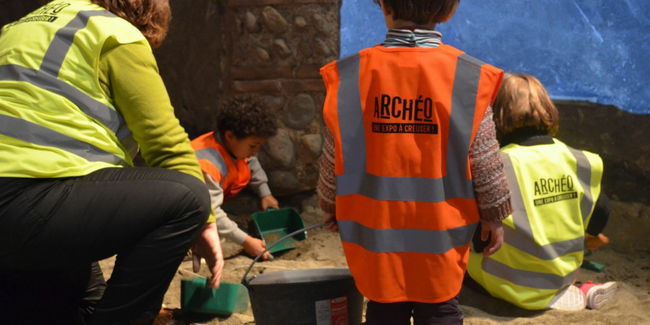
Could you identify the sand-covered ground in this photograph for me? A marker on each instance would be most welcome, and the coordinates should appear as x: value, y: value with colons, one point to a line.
x: 626, y: 261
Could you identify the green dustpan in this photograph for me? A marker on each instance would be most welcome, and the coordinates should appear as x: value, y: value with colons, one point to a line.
x: 196, y: 297
x: 274, y: 224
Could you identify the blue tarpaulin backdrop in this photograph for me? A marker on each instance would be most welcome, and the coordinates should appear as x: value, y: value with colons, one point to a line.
x: 594, y: 50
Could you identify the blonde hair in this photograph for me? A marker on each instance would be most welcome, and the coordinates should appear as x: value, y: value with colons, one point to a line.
x: 523, y: 102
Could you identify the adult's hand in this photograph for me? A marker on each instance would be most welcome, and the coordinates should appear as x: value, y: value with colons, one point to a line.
x: 496, y: 230
x: 331, y: 219
x: 208, y: 247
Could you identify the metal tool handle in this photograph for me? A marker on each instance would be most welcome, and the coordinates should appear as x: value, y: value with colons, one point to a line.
x: 243, y: 279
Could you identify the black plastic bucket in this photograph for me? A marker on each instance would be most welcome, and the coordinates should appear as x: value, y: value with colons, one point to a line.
x: 305, y: 297
x: 325, y: 296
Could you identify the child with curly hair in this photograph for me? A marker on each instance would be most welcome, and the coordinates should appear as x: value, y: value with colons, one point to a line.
x: 227, y: 159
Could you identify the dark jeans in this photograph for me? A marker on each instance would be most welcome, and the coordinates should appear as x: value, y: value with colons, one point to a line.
x: 53, y: 230
x: 400, y: 313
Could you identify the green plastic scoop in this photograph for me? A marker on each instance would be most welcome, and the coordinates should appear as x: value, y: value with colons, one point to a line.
x: 274, y: 224
x: 196, y: 297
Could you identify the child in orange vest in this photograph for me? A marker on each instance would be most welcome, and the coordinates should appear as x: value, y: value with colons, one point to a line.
x: 228, y: 162
x: 411, y: 165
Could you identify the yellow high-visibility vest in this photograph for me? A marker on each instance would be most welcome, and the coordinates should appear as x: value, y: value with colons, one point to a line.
x: 554, y: 191
x: 55, y: 120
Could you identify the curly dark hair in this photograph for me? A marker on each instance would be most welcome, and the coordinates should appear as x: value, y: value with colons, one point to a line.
x: 246, y: 116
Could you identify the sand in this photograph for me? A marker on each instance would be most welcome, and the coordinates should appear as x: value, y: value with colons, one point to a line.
x: 628, y: 265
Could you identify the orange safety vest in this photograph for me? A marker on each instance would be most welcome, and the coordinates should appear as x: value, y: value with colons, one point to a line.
x: 231, y: 174
x: 403, y: 120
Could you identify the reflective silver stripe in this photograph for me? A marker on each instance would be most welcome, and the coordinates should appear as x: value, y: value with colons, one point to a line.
x: 356, y: 179
x: 584, y: 176
x: 102, y: 113
x: 126, y: 138
x: 405, y: 240
x: 528, y: 278
x: 214, y: 157
x: 546, y: 252
x: 47, y: 79
x: 522, y: 238
x: 63, y: 39
x: 519, y: 214
x: 42, y: 136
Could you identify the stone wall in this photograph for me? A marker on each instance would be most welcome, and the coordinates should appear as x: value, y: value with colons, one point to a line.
x: 621, y: 139
x: 267, y: 48
x: 273, y: 49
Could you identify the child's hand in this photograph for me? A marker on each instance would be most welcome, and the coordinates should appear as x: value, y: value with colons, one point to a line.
x: 253, y: 247
x: 496, y: 230
x: 333, y: 226
x: 269, y: 202
x: 593, y: 242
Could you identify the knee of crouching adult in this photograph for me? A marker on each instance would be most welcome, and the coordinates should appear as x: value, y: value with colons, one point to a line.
x: 200, y: 192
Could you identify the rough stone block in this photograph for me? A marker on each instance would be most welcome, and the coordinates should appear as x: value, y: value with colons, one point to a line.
x: 304, y: 85
x: 301, y: 112
x: 308, y: 71
x: 283, y: 183
x: 274, y: 20
x: 321, y: 48
x: 257, y: 86
x: 281, y: 48
x: 262, y: 54
x: 274, y: 103
x: 305, y: 49
x: 300, y: 22
x: 322, y: 25
x: 260, y: 73
x: 281, y: 150
x: 251, y: 23
x: 314, y: 143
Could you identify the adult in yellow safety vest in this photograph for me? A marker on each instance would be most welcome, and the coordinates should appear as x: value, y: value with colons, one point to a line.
x: 79, y: 94
x: 555, y: 190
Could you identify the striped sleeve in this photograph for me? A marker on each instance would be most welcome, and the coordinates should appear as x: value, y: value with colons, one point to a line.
x: 490, y: 183
x: 326, y: 187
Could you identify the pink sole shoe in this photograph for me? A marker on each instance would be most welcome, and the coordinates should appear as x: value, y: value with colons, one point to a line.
x: 600, y: 294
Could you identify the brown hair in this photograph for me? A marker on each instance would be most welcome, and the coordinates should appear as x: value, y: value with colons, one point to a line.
x: 246, y: 116
x: 523, y: 102
x: 421, y: 12
x: 151, y: 17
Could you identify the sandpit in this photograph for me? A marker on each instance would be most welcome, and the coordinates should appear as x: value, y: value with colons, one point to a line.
x: 626, y: 261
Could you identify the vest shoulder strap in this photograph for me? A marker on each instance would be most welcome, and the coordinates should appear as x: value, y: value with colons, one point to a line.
x: 209, y: 153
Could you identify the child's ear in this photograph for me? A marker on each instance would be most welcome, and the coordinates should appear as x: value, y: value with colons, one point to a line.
x: 387, y: 11
x: 229, y: 135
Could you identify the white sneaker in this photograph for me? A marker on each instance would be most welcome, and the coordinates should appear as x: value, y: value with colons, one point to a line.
x: 569, y: 299
x: 598, y: 295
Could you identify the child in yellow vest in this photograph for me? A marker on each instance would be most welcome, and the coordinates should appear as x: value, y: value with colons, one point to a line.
x: 228, y: 162
x: 554, y: 217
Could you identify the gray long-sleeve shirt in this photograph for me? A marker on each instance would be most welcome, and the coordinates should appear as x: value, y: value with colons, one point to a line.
x: 226, y: 227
